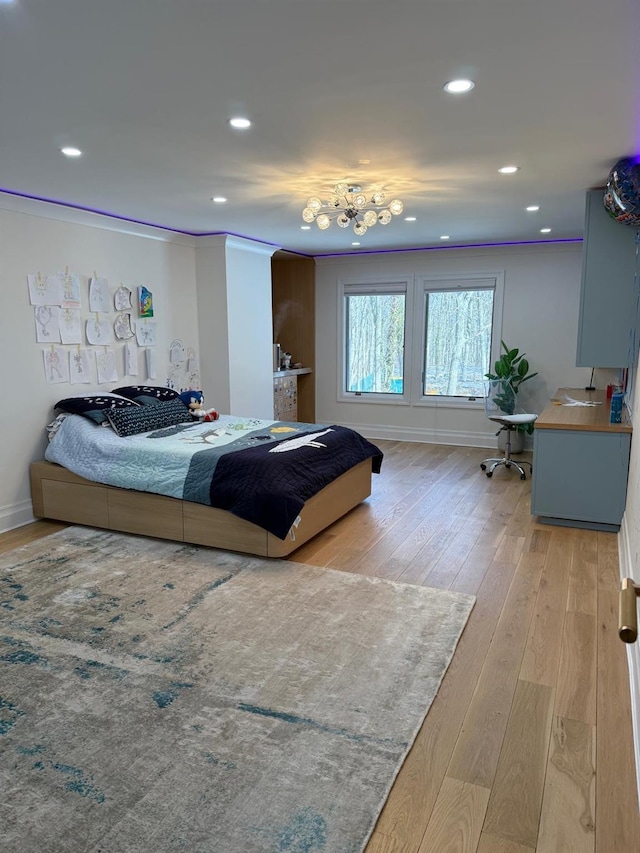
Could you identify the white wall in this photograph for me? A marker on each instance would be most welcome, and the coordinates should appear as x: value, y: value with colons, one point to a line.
x: 250, y: 328
x: 234, y: 304
x: 34, y: 238
x: 540, y: 316
x: 629, y: 553
x: 211, y: 283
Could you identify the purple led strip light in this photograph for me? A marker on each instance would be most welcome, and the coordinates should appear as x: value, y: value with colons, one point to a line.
x: 121, y: 218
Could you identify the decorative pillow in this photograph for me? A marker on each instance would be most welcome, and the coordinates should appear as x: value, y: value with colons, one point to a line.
x: 94, y: 406
x: 147, y: 418
x: 145, y: 394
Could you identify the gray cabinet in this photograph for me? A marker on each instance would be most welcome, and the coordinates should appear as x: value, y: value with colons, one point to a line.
x: 580, y: 462
x: 580, y: 478
x: 607, y: 298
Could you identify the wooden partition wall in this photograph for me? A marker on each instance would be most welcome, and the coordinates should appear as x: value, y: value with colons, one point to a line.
x: 293, y: 302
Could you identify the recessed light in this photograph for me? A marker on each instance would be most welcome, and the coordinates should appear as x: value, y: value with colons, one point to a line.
x: 445, y: 237
x: 508, y: 170
x: 219, y: 199
x: 456, y: 87
x: 545, y: 230
x: 305, y: 228
x: 355, y: 244
x: 409, y: 219
x: 69, y: 151
x: 239, y: 123
x: 532, y: 208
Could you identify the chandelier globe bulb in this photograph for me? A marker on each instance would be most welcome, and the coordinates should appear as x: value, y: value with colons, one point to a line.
x: 341, y: 189
x: 384, y: 217
x: 396, y: 207
x: 378, y: 197
x: 343, y: 220
x: 370, y: 217
x: 359, y: 228
x: 308, y: 214
x: 323, y: 221
x: 314, y: 203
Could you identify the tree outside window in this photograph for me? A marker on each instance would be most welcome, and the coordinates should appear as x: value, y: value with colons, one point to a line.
x: 457, y: 346
x: 375, y: 343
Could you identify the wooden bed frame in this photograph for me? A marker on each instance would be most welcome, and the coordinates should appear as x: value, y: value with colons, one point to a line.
x: 58, y: 494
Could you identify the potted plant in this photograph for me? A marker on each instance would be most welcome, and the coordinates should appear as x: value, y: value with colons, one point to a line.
x: 513, y: 368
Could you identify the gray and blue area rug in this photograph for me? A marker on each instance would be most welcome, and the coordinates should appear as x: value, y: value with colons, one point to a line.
x: 161, y: 697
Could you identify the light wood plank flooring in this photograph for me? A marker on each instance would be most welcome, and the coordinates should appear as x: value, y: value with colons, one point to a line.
x: 528, y: 745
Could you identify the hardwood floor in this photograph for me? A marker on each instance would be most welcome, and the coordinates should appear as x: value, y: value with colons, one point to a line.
x: 527, y: 746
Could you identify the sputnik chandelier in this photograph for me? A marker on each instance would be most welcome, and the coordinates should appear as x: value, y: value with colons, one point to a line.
x: 349, y: 205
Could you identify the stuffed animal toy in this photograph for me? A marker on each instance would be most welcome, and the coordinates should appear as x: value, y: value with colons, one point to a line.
x: 194, y: 401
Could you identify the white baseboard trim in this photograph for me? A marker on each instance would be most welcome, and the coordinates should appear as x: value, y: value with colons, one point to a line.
x: 16, y: 515
x: 426, y: 436
x: 633, y: 649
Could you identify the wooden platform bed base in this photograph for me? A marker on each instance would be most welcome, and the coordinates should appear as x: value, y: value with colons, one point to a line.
x: 58, y: 494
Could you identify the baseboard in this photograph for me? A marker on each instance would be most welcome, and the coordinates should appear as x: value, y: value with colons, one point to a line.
x: 633, y: 649
x: 428, y: 436
x: 16, y: 515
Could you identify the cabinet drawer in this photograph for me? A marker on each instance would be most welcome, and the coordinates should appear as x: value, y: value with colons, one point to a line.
x: 75, y: 502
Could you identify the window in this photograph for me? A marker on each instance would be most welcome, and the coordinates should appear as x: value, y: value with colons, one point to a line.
x: 457, y: 341
x: 420, y: 342
x: 375, y: 319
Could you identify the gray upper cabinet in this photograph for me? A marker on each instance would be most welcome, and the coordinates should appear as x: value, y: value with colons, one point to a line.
x: 607, y: 298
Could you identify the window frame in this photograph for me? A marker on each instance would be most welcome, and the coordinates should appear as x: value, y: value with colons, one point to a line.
x: 415, y: 287
x: 372, y: 286
x: 448, y: 282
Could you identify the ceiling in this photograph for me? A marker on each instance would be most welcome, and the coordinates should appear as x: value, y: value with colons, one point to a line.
x: 145, y: 89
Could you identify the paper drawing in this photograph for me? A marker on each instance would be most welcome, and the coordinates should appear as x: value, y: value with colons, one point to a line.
x: 69, y: 323
x: 98, y: 331
x: 106, y: 366
x: 150, y: 355
x: 99, y: 295
x: 176, y: 351
x: 56, y: 364
x: 80, y: 366
x: 70, y: 284
x: 146, y: 333
x: 122, y: 326
x: 44, y: 289
x: 47, y: 329
x: 145, y: 298
x: 130, y: 359
x: 122, y: 298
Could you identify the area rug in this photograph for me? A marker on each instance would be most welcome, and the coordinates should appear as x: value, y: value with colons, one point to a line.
x: 161, y: 697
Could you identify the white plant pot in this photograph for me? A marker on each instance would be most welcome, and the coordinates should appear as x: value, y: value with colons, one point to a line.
x: 517, y: 440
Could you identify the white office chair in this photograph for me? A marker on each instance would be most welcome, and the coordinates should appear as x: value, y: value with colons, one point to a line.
x: 500, y: 407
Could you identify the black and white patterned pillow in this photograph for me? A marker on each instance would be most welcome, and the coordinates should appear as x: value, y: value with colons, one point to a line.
x: 95, y: 406
x: 146, y: 418
x: 147, y: 394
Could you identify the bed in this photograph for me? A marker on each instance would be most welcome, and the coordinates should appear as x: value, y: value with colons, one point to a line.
x: 241, y: 484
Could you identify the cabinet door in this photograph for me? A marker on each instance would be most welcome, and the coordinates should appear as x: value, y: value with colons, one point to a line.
x: 607, y: 298
x: 580, y: 475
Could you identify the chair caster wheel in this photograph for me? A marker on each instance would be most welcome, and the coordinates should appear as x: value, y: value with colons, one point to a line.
x: 523, y: 476
x: 483, y: 466
x: 489, y: 473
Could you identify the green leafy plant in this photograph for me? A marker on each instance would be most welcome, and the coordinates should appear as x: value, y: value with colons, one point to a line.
x: 512, y: 368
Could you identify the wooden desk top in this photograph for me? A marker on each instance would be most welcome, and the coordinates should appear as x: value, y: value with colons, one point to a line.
x: 589, y: 418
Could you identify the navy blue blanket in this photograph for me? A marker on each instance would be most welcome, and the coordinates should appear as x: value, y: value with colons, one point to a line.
x: 268, y: 484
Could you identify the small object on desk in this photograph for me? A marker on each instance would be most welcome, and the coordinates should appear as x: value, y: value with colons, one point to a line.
x: 616, y: 408
x: 571, y: 401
